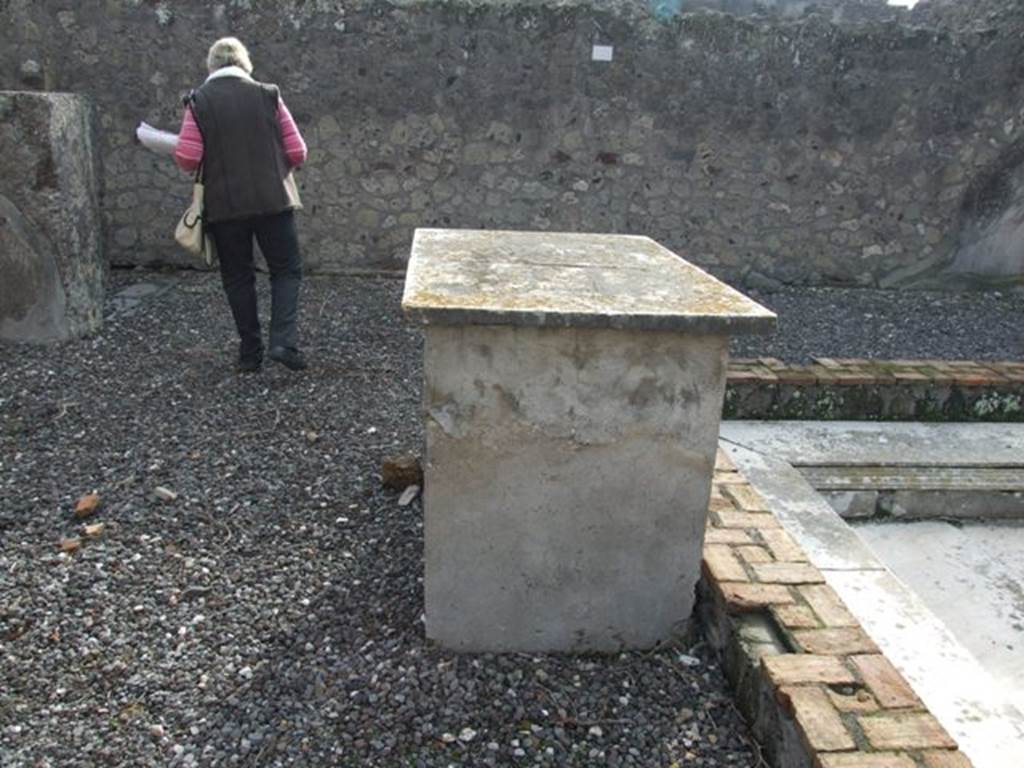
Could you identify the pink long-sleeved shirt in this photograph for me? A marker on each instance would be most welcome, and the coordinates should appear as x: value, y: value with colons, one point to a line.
x: 189, y: 152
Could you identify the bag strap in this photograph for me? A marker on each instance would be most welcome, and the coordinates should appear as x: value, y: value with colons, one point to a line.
x: 190, y: 101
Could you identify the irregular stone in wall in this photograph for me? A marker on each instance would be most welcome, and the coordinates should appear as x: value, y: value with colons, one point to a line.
x: 51, y: 255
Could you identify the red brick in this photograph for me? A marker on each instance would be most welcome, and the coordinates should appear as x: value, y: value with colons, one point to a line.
x: 880, y: 375
x: 939, y: 375
x: 787, y: 573
x: 718, y: 503
x: 795, y: 616
x: 882, y: 679
x: 782, y: 546
x: 728, y: 519
x: 742, y: 598
x: 765, y: 375
x: 818, y: 721
x: 722, y: 564
x: 797, y: 375
x: 976, y: 379
x: 726, y: 536
x: 724, y: 477
x: 865, y: 760
x: 946, y: 759
x: 746, y: 497
x: 905, y: 731
x: 797, y: 668
x: 854, y: 379
x: 906, y: 375
x: 754, y: 554
x: 740, y: 376
x: 723, y: 462
x: 857, y: 700
x: 1012, y: 374
x: 826, y: 603
x: 835, y: 642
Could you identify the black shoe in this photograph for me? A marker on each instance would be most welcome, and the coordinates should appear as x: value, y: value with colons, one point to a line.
x: 249, y: 363
x: 289, y: 358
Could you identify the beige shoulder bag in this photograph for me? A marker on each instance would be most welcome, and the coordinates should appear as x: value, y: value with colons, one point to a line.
x: 191, y: 231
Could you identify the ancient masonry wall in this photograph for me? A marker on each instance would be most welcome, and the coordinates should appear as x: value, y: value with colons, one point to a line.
x: 807, y: 149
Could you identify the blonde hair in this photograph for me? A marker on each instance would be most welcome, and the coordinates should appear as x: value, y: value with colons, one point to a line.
x: 228, y: 52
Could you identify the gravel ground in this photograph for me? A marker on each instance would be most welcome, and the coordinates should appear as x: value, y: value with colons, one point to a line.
x: 889, y: 325
x: 271, y: 614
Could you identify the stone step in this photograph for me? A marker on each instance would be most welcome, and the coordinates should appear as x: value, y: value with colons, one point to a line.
x: 914, y: 478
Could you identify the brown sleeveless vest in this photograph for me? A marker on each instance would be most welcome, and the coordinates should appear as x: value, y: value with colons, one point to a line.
x: 244, y: 164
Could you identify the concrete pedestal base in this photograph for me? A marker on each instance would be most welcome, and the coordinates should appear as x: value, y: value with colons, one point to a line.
x: 573, y: 390
x: 567, y: 482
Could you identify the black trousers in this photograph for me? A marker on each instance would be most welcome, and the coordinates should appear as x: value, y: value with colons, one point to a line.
x: 279, y: 242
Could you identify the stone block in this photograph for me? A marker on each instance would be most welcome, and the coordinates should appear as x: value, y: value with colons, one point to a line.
x: 534, y: 538
x: 51, y: 254
x: 573, y: 391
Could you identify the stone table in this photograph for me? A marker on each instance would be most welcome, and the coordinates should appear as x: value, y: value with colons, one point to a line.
x: 573, y: 391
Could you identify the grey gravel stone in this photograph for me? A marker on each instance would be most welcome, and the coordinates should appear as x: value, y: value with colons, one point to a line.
x: 889, y: 325
x: 304, y: 569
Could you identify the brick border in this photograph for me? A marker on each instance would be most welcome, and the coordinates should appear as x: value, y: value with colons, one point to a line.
x: 920, y: 390
x: 813, y: 685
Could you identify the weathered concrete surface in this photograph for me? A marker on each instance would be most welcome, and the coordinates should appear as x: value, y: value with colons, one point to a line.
x: 832, y: 148
x: 567, y: 480
x: 972, y: 577
x: 568, y: 280
x: 853, y: 443
x: 51, y: 256
x: 570, y: 436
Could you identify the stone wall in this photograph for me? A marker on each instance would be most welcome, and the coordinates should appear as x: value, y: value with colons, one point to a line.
x: 767, y: 148
x: 51, y: 251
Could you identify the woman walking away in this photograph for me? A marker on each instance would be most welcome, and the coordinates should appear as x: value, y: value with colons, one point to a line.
x: 246, y: 141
